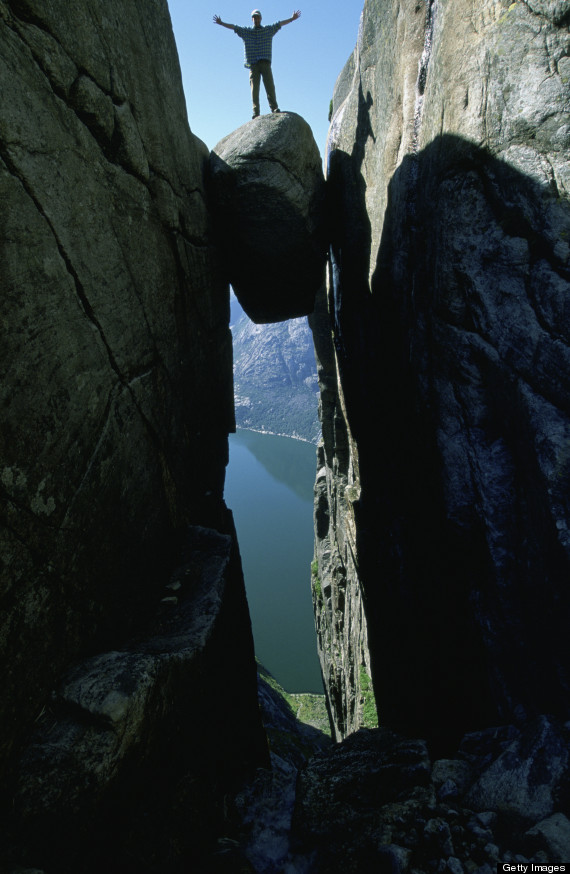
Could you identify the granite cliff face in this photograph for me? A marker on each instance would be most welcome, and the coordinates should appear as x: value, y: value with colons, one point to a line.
x: 442, y: 550
x: 116, y: 403
x: 442, y: 498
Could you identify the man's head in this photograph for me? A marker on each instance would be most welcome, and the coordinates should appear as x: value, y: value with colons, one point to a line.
x: 256, y: 16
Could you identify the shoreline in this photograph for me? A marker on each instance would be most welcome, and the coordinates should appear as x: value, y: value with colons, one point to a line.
x: 276, y: 434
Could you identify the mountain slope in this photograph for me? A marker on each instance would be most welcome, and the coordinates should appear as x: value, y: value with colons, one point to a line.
x: 275, y: 377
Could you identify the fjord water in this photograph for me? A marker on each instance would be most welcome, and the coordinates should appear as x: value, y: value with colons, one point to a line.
x: 269, y: 488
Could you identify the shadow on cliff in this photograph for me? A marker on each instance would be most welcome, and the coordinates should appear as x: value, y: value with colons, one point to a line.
x: 453, y: 363
x: 350, y: 240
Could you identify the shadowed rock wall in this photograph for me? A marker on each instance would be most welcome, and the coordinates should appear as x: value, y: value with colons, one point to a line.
x: 442, y: 504
x: 115, y: 362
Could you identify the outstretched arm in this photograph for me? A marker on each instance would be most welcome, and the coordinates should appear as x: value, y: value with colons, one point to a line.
x: 218, y: 20
x: 294, y: 17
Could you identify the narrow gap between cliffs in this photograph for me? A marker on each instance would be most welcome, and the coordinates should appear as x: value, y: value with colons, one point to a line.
x: 269, y: 488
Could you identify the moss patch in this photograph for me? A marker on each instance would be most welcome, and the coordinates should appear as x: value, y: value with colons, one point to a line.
x: 311, y: 709
x: 315, y: 582
x: 369, y: 714
x: 307, y: 707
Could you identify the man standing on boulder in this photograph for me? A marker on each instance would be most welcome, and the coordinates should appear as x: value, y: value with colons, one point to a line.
x: 257, y: 50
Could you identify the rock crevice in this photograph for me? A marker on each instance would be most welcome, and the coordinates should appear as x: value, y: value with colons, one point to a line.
x: 441, y: 500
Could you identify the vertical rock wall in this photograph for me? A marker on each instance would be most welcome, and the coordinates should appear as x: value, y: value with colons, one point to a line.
x: 442, y: 503
x: 340, y: 618
x: 115, y: 362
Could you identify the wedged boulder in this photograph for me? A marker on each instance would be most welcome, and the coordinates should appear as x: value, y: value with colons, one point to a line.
x: 267, y: 191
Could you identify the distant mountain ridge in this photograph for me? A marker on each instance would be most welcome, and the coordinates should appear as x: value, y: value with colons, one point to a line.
x: 275, y: 377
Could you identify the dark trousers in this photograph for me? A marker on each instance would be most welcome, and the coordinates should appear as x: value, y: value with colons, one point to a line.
x: 262, y: 69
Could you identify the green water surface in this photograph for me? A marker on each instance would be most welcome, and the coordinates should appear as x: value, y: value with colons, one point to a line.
x: 269, y: 488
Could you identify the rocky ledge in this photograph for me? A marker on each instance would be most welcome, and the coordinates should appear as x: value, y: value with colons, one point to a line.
x: 132, y: 756
x: 375, y: 802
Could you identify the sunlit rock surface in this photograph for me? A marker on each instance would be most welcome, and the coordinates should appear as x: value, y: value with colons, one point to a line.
x: 267, y: 192
x: 442, y: 514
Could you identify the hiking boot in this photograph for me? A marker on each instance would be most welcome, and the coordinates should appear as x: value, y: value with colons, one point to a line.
x: 276, y: 109
x: 255, y: 115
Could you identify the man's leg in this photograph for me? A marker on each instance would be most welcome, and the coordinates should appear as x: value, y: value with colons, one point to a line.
x: 254, y: 78
x: 267, y: 73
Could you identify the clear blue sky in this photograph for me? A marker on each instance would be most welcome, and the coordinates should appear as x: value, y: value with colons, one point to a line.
x: 308, y: 55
